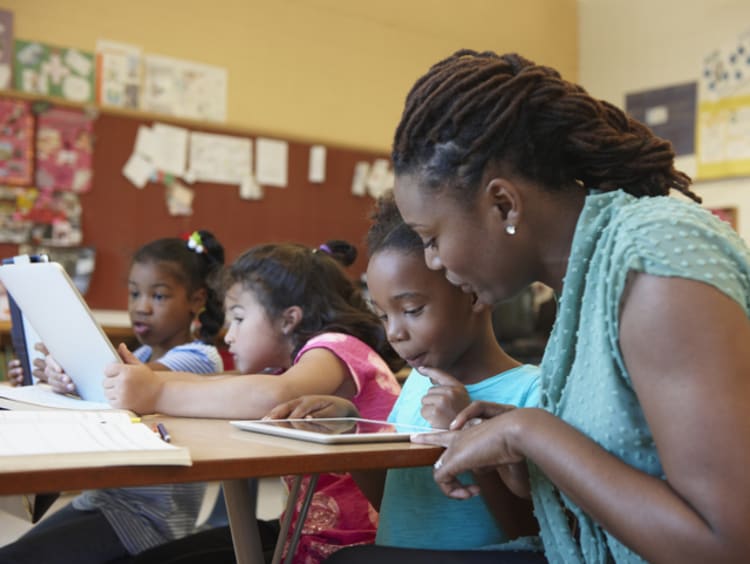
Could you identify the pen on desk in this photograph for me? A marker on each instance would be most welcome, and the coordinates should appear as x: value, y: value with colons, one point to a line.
x: 163, y: 432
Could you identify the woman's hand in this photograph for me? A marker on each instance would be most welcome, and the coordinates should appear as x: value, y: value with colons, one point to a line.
x: 314, y: 406
x: 131, y: 384
x: 481, y: 445
x: 444, y: 400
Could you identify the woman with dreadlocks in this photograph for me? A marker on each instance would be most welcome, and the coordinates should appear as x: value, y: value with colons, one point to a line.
x: 639, y: 450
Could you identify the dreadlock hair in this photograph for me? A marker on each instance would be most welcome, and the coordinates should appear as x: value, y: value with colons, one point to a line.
x: 472, y: 109
x: 389, y: 231
x: 289, y: 274
x: 195, y: 270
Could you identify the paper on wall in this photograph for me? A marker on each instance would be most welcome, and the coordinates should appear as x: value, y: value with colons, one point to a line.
x: 250, y: 189
x: 184, y: 88
x: 378, y: 179
x: 138, y: 170
x: 179, y: 199
x: 118, y: 71
x: 271, y: 157
x: 223, y: 159
x: 170, y: 148
x: 317, y: 166
x: 361, y: 172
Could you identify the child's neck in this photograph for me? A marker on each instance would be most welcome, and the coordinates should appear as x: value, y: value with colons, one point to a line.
x: 484, y: 359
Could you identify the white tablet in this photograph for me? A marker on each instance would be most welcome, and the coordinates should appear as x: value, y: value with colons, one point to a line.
x: 334, y: 429
x: 51, y: 302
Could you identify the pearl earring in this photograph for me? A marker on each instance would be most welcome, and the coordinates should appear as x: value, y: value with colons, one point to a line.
x: 510, y: 229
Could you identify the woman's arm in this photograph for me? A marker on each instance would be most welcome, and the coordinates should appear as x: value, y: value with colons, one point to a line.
x: 687, y: 350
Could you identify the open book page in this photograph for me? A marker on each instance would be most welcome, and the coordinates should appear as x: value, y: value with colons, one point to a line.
x: 42, y: 395
x: 69, y: 439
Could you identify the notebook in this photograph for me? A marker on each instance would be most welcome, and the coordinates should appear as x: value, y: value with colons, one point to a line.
x: 51, y: 302
x: 334, y: 430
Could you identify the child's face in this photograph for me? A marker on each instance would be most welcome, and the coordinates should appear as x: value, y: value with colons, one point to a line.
x: 429, y: 322
x: 159, y: 306
x: 255, y: 342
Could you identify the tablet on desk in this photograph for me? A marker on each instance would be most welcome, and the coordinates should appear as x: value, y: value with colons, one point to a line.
x: 51, y: 302
x: 334, y: 430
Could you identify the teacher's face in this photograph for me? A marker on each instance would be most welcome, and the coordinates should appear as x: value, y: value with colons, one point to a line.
x: 468, y: 241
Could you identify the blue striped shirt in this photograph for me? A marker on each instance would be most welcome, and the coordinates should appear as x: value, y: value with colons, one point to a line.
x: 144, y: 517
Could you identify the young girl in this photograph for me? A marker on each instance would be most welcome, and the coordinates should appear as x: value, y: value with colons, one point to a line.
x: 297, y: 325
x: 431, y: 323
x: 170, y: 298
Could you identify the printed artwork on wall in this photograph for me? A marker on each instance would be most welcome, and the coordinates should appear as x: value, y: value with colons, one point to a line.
x: 6, y: 48
x: 28, y: 215
x: 728, y: 214
x: 16, y: 138
x: 54, y: 71
x: 64, y: 150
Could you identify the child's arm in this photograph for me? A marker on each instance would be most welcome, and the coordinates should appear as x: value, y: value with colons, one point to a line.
x: 134, y: 386
x: 314, y: 407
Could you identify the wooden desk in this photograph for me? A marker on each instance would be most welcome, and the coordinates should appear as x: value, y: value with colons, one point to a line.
x: 222, y: 452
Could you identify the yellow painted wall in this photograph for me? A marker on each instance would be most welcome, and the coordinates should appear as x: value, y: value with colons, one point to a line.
x: 334, y: 71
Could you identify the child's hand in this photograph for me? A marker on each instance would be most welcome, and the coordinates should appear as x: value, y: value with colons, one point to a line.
x: 15, y: 372
x: 131, y: 384
x: 37, y: 367
x: 56, y: 377
x: 314, y: 407
x: 444, y: 400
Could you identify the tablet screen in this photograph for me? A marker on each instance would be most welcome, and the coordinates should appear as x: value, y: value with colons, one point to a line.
x: 334, y: 430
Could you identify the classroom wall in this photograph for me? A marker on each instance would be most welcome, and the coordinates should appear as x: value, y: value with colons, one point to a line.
x: 335, y: 71
x: 632, y: 45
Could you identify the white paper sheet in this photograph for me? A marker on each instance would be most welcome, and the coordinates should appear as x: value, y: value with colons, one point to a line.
x: 170, y: 148
x: 271, y: 158
x: 317, y: 166
x: 223, y: 159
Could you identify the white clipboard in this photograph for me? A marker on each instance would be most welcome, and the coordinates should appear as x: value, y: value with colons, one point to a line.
x: 51, y: 302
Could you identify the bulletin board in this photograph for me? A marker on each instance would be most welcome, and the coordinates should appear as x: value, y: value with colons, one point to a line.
x: 117, y: 217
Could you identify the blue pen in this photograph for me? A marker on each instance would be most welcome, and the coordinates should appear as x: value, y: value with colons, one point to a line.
x: 163, y: 432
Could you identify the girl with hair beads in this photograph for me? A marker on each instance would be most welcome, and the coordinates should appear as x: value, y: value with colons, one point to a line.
x: 169, y: 294
x: 297, y: 325
x: 639, y: 451
x: 448, y: 340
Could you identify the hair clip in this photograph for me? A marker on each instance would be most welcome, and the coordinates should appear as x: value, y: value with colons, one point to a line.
x: 195, y: 243
x: 325, y: 248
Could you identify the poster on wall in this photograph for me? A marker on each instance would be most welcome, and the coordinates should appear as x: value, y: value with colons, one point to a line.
x: 669, y: 112
x: 6, y: 48
x: 64, y: 150
x: 184, y: 88
x: 723, y: 128
x: 54, y: 71
x: 14, y: 202
x: 16, y: 138
x: 118, y: 74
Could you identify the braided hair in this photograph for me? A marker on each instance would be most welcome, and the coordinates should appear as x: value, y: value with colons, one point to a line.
x: 289, y: 274
x: 389, y: 231
x: 196, y: 269
x: 472, y: 109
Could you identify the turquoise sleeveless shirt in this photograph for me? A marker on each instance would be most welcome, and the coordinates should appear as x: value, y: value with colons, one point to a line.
x: 584, y: 380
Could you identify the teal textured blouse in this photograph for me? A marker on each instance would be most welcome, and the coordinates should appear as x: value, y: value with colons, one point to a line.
x: 584, y: 380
